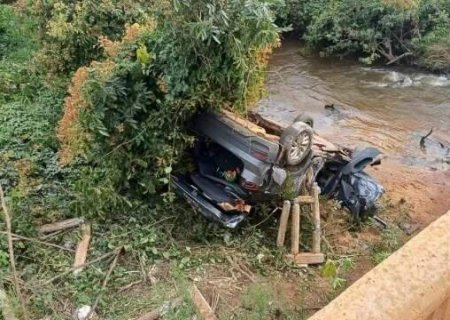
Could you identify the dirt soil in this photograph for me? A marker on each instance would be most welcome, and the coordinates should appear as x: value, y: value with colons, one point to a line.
x: 425, y: 191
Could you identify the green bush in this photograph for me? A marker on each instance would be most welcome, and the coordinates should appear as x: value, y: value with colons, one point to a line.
x: 70, y: 29
x: 126, y: 115
x: 375, y: 30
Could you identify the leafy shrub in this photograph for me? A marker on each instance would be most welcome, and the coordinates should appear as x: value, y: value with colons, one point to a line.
x: 126, y: 114
x: 70, y: 29
x: 375, y: 29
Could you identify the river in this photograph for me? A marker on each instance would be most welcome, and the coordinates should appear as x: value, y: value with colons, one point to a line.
x: 390, y: 108
x: 387, y: 107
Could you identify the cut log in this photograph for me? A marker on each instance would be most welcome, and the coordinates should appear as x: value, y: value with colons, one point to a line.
x: 61, y: 225
x: 316, y: 220
x: 82, y: 249
x: 283, y: 223
x: 295, y: 230
x: 202, y: 305
x: 306, y: 258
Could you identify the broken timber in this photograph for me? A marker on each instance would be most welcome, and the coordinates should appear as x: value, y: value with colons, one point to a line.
x: 61, y: 225
x: 304, y: 258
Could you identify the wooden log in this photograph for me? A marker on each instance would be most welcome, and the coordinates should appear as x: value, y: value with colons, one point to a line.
x: 295, y: 230
x: 82, y: 249
x: 283, y: 223
x: 305, y: 199
x: 316, y: 236
x: 61, y: 225
x: 306, y: 258
x: 202, y: 305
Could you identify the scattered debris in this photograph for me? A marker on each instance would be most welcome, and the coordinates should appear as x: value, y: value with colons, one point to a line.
x: 61, y: 275
x: 240, y: 267
x: 12, y: 260
x: 61, y: 225
x: 17, y: 237
x: 82, y: 249
x: 202, y: 305
x: 105, y: 282
x: 161, y: 311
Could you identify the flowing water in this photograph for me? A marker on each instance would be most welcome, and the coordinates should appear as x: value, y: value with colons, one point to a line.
x: 390, y: 108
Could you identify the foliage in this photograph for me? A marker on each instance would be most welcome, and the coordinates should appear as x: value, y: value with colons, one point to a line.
x: 70, y: 29
x: 126, y: 114
x: 334, y: 270
x: 376, y: 29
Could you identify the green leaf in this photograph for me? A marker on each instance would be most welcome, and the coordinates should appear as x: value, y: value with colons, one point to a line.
x: 329, y: 270
x: 143, y: 55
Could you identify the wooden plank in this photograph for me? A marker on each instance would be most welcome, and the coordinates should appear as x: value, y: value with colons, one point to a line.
x: 283, y: 223
x: 305, y: 199
x: 295, y: 230
x: 202, y: 305
x: 316, y: 220
x: 307, y: 258
x: 82, y: 249
x: 61, y: 225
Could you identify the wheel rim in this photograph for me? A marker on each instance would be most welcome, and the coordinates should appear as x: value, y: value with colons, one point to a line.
x: 299, y: 147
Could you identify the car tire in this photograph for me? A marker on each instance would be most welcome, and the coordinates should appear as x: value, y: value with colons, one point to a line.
x: 305, y: 118
x: 296, y: 141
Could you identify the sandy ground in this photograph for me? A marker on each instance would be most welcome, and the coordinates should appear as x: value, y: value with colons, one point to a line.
x: 426, y: 192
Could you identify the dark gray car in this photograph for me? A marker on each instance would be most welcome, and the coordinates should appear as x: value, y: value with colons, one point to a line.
x: 239, y: 164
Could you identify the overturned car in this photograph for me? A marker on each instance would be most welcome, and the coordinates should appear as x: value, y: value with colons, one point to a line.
x: 240, y: 163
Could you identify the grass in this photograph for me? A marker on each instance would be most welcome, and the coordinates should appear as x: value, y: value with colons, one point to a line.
x: 177, y: 242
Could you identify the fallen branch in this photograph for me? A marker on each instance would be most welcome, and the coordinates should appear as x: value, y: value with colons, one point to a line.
x: 162, y: 310
x: 12, y: 260
x: 202, y: 305
x: 239, y: 268
x: 61, y: 225
x: 106, y: 255
x: 19, y: 237
x: 394, y: 60
x: 82, y: 249
x: 105, y: 283
x: 422, y: 140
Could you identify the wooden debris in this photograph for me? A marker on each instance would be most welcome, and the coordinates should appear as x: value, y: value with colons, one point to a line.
x: 12, y: 260
x: 202, y: 305
x: 295, y: 230
x: 17, y: 237
x: 283, y: 223
x: 305, y: 199
x: 306, y: 258
x: 61, y: 225
x: 159, y: 312
x: 316, y: 219
x: 82, y: 249
x: 242, y: 269
x: 105, y: 283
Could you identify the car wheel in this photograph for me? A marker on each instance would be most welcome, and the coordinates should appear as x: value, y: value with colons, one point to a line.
x: 296, y: 141
x: 305, y: 118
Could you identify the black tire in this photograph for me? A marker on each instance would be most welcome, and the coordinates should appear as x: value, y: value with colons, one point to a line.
x: 305, y: 118
x: 296, y: 141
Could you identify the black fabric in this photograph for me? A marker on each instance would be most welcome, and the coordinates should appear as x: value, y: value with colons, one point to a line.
x: 347, y: 182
